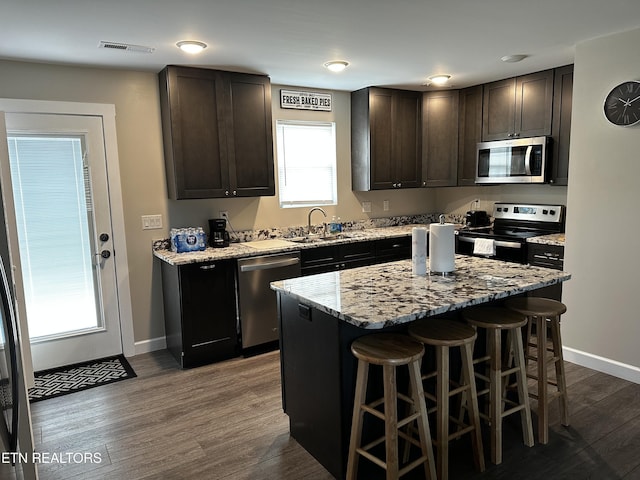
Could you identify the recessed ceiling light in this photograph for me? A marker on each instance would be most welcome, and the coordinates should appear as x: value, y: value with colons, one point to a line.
x: 440, y: 79
x: 336, y: 65
x: 191, y: 46
x: 513, y: 58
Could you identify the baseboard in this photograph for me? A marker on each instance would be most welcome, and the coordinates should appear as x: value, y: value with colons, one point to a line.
x: 146, y: 346
x: 601, y: 364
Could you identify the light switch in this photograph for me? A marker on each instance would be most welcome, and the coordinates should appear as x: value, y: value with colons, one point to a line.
x: 385, y: 205
x: 366, y: 207
x: 151, y: 222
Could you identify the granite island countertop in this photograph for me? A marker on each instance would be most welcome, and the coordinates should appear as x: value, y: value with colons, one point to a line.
x: 389, y: 294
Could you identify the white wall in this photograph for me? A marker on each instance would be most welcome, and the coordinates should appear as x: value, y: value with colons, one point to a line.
x: 603, y: 318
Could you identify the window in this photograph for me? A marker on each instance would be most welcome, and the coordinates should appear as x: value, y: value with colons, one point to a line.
x: 306, y: 154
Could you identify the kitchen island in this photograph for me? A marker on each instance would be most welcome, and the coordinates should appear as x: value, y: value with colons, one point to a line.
x: 321, y: 315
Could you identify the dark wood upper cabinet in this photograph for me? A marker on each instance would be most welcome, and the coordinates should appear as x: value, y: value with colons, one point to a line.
x: 562, y: 102
x: 440, y: 138
x: 217, y: 133
x: 518, y: 107
x: 385, y: 139
x: 469, y: 133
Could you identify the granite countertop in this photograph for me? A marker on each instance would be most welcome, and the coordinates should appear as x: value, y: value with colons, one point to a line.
x: 556, y: 239
x: 278, y: 245
x: 389, y: 294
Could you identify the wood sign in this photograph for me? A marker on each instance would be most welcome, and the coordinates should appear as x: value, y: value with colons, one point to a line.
x: 305, y: 100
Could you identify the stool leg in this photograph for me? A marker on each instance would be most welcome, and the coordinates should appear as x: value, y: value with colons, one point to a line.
x: 356, y: 422
x: 417, y: 392
x: 543, y: 392
x: 560, y: 377
x: 523, y: 390
x: 466, y: 352
x: 391, y: 421
x: 442, y: 399
x: 495, y: 394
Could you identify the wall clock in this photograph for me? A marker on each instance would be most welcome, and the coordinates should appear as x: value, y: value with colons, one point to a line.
x: 622, y: 105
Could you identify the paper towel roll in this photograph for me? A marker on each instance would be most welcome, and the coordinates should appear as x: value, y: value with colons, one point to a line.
x: 442, y: 246
x: 419, y: 251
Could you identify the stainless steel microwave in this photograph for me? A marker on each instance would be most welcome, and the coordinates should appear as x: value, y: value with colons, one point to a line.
x: 522, y: 160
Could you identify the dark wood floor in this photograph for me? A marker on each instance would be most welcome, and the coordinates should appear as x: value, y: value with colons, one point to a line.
x: 224, y: 421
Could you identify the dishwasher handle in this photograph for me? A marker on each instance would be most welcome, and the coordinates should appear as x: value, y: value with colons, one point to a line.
x: 269, y: 265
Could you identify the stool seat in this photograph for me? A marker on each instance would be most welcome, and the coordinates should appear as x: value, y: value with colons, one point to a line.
x: 494, y: 317
x: 387, y: 349
x: 442, y: 332
x: 536, y: 306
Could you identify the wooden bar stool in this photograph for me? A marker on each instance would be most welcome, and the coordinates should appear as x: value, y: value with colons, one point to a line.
x: 444, y: 334
x: 390, y: 351
x: 544, y: 312
x: 494, y: 320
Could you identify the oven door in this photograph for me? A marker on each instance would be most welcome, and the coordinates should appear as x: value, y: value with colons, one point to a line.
x: 509, y: 251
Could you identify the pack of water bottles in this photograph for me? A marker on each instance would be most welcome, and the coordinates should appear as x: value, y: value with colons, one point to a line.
x: 191, y: 239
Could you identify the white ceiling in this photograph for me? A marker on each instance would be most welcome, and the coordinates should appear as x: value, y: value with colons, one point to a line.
x: 387, y: 43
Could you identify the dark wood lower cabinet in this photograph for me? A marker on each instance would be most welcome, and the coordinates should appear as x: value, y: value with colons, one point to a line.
x: 200, y: 312
x: 318, y: 382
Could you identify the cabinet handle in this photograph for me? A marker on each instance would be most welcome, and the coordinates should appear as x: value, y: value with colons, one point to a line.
x: 207, y: 267
x: 235, y: 193
x: 399, y: 185
x: 226, y: 192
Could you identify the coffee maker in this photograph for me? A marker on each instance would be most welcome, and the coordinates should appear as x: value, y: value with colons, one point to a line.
x: 218, y: 235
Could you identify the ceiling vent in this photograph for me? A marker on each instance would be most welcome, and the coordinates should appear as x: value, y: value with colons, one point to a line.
x: 126, y: 47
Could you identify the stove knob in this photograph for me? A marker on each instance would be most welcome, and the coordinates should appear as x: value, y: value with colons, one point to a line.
x: 545, y: 212
x: 552, y: 212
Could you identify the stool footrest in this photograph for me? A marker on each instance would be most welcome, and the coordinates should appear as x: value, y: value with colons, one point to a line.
x: 515, y: 409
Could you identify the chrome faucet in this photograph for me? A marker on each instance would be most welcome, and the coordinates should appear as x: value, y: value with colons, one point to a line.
x: 309, y: 219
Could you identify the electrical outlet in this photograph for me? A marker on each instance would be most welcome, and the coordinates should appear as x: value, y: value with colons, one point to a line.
x: 224, y: 214
x: 366, y: 207
x: 385, y: 205
x: 151, y: 222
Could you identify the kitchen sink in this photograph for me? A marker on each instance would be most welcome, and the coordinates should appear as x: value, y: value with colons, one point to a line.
x: 318, y: 239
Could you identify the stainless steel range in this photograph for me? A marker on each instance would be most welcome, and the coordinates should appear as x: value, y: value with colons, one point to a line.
x: 513, y: 223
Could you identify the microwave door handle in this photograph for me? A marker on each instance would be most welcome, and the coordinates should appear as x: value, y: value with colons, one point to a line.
x: 527, y: 160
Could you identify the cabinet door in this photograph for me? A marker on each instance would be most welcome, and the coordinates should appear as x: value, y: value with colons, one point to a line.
x: 209, y: 326
x: 320, y: 259
x: 499, y: 110
x: 385, y: 139
x: 518, y: 107
x: 193, y: 131
x: 392, y: 249
x: 250, y: 144
x: 356, y: 254
x: 534, y: 104
x: 562, y: 99
x: 381, y: 127
x: 440, y: 138
x: 406, y: 146
x: 470, y: 133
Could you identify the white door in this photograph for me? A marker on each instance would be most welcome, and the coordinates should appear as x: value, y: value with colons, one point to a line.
x: 64, y: 236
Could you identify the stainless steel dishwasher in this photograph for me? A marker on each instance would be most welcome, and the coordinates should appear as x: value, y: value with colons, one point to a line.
x: 258, y: 309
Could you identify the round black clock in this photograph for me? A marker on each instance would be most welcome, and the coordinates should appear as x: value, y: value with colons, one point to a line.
x: 622, y: 105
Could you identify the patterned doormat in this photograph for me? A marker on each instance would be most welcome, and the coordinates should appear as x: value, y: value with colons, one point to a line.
x: 81, y: 376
